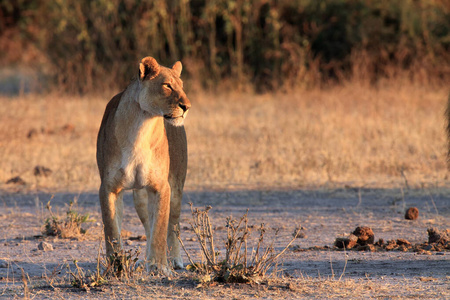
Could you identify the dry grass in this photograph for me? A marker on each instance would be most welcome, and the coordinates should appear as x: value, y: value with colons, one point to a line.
x: 347, y: 135
x: 280, y: 288
x: 243, y: 261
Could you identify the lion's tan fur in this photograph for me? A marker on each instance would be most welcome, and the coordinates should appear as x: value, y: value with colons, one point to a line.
x: 142, y: 146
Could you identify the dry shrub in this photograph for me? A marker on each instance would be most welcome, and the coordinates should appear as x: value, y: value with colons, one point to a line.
x: 121, y: 266
x: 69, y: 227
x: 237, y: 265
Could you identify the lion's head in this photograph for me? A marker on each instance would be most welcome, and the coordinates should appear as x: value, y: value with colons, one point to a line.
x: 161, y: 91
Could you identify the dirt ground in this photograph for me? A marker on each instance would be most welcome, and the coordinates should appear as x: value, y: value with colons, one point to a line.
x: 312, y: 268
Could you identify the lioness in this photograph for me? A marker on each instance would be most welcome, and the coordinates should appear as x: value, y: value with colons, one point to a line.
x: 141, y: 146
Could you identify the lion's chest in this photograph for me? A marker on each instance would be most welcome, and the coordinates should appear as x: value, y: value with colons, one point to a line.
x: 140, y: 163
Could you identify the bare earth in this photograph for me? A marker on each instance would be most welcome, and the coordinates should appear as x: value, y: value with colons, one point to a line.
x: 306, y: 273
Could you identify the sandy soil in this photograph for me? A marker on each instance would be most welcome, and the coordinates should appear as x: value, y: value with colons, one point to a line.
x: 306, y: 273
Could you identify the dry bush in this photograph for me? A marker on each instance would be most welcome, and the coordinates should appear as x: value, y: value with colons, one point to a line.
x: 120, y: 267
x: 237, y: 265
x: 67, y: 227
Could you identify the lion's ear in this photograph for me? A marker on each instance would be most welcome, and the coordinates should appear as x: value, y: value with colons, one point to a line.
x: 177, y: 67
x: 148, y: 68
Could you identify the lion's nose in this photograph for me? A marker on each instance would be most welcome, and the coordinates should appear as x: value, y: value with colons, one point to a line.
x: 184, y: 106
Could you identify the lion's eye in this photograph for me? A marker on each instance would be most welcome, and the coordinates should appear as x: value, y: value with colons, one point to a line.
x: 167, y: 86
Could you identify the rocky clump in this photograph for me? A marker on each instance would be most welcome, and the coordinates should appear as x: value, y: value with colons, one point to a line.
x: 437, y: 236
x: 412, y: 213
x: 362, y: 240
x: 365, y: 235
x: 44, y: 246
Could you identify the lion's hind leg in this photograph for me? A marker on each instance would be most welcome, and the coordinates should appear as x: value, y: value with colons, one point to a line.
x: 140, y: 199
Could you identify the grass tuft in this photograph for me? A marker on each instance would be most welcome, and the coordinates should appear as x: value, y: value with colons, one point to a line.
x: 68, y: 227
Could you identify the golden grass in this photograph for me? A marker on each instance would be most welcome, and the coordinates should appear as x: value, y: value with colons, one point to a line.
x: 347, y: 135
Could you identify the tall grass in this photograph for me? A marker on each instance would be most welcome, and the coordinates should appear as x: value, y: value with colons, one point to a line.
x: 248, y: 44
x: 353, y: 134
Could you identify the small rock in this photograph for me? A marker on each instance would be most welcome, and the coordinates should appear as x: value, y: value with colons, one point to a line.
x: 427, y: 279
x: 32, y: 133
x: 403, y: 248
x: 42, y: 171
x: 428, y: 248
x: 141, y: 238
x: 346, y: 242
x: 16, y: 180
x: 436, y: 236
x: 68, y: 128
x: 391, y: 245
x: 379, y: 243
x: 365, y: 235
x: 412, y: 213
x: 403, y: 242
x: 129, y: 243
x: 44, y: 246
x: 3, y: 263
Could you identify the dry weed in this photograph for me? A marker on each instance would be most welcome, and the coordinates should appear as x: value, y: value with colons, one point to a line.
x: 237, y: 265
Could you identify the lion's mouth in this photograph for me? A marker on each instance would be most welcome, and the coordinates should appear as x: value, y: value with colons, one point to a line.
x: 171, y: 117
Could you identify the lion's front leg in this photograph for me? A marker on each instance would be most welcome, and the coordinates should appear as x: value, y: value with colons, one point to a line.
x: 159, y: 210
x: 111, y: 206
x: 174, y: 224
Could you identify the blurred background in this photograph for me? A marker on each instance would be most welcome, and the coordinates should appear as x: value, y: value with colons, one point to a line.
x: 83, y: 46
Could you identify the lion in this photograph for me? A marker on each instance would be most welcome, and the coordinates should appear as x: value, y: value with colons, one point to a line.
x: 141, y: 146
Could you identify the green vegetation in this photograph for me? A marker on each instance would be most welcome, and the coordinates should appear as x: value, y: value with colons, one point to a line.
x: 85, y: 45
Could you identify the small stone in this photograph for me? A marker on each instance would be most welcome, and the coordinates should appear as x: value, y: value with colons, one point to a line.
x: 32, y: 133
x: 42, y: 171
x: 129, y: 242
x: 437, y: 236
x: 68, y: 128
x: 16, y: 180
x: 3, y: 263
x: 412, y: 213
x: 365, y: 235
x: 403, y: 242
x: 44, y: 246
x: 379, y: 243
x: 391, y: 245
x: 429, y: 248
x: 346, y: 242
